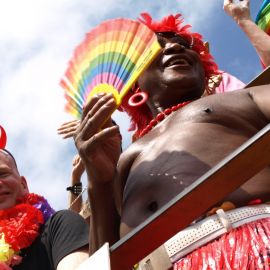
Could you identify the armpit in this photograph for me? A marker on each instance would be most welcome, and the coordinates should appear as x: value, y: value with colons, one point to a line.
x: 261, y: 97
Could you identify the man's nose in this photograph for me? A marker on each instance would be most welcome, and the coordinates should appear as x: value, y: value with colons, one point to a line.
x: 173, y: 47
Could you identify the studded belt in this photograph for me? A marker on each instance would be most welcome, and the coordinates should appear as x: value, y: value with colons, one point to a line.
x: 212, y: 227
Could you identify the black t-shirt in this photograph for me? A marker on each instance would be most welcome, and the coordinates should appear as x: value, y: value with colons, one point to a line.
x: 62, y: 234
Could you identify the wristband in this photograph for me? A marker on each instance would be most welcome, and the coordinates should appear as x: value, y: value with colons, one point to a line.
x: 75, y: 189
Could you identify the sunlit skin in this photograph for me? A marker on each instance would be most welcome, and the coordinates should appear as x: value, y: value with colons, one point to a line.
x: 12, y: 185
x: 174, y: 153
x: 161, y: 164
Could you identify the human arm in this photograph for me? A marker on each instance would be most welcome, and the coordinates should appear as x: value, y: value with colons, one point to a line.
x: 240, y: 13
x: 100, y: 150
x: 73, y: 260
x: 75, y: 201
x: 65, y: 238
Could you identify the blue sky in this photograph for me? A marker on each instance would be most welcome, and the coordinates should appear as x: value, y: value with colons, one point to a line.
x: 37, y: 39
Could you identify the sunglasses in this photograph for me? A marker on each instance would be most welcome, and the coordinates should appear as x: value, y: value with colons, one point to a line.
x: 165, y: 37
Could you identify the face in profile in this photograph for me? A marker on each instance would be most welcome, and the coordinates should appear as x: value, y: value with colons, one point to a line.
x: 12, y: 185
x: 177, y: 69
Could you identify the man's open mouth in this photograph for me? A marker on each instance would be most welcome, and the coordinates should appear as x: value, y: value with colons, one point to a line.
x: 4, y: 193
x: 177, y: 61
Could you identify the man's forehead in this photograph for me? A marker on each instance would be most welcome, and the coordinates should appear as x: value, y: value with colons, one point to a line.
x: 164, y: 37
x: 168, y: 34
x: 7, y: 155
x: 3, y: 152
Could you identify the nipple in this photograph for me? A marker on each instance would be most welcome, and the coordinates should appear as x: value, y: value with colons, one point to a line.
x: 153, y: 206
x: 207, y: 110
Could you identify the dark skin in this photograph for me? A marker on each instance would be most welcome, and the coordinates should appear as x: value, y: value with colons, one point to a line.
x: 161, y: 164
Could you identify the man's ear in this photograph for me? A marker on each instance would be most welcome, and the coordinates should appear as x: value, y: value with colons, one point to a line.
x: 24, y: 184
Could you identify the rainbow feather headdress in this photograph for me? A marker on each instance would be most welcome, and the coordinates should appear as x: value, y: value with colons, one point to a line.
x: 263, y: 17
x: 110, y: 59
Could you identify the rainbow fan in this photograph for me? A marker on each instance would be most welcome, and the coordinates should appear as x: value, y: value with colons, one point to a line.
x: 263, y: 17
x: 110, y: 59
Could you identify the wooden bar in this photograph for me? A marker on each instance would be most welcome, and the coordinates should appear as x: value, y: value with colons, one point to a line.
x: 225, y: 177
x: 261, y: 79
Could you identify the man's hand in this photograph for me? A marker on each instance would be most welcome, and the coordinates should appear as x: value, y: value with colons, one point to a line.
x: 98, y: 140
x: 68, y: 129
x: 238, y: 12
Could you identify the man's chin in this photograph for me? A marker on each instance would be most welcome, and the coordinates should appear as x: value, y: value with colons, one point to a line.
x: 182, y: 81
x: 7, y: 203
x: 179, y: 68
x: 4, y: 206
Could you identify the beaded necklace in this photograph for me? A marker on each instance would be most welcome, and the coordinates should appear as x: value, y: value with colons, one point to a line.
x: 161, y: 116
x: 19, y: 227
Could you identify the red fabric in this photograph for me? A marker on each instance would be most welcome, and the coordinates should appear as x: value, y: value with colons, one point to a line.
x: 32, y: 199
x: 20, y: 225
x: 246, y: 247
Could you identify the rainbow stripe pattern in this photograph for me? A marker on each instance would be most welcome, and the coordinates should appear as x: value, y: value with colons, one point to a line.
x: 263, y: 17
x: 110, y: 59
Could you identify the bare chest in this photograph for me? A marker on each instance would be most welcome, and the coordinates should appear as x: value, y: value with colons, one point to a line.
x: 180, y: 150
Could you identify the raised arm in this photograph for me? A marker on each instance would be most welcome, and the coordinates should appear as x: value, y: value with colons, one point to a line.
x: 100, y: 150
x: 75, y: 196
x: 240, y: 13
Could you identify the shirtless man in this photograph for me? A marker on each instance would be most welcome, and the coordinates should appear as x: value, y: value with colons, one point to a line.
x: 175, y: 152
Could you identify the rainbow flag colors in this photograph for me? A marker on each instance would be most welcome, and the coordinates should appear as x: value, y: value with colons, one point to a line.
x: 263, y: 17
x: 110, y: 59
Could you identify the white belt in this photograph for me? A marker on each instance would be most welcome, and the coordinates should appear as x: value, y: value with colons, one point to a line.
x: 210, y: 228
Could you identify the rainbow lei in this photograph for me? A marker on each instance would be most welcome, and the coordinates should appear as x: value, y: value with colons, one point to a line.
x: 19, y: 227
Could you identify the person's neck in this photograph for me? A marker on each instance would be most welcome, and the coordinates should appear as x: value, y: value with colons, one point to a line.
x: 161, y: 116
x: 158, y: 107
x: 169, y: 96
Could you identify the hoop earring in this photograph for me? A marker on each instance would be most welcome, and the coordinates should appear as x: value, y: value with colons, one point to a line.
x: 137, y: 99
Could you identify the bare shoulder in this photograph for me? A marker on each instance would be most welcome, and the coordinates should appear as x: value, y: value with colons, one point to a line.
x: 256, y: 98
x: 123, y: 168
x: 262, y: 91
x: 130, y: 153
x: 261, y: 96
